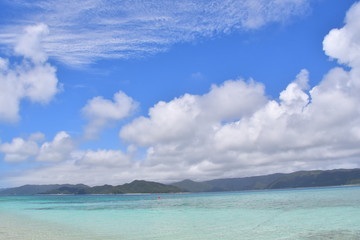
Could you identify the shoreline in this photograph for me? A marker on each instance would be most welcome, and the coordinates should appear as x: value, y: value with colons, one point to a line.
x: 179, y: 193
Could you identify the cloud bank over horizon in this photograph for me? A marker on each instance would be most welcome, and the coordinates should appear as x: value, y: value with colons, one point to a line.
x: 100, y: 29
x: 233, y: 130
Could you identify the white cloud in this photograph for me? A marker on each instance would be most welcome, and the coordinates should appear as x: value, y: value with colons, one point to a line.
x: 101, y: 112
x: 32, y: 79
x: 191, y: 115
x: 293, y: 98
x: 4, y: 64
x: 343, y: 44
x: 83, y: 32
x: 106, y: 158
x: 235, y: 130
x: 59, y: 149
x: 29, y: 44
x: 19, y: 150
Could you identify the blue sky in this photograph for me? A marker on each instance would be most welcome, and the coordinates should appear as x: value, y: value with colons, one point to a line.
x: 108, y: 92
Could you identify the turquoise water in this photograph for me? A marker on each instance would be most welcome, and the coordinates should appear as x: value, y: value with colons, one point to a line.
x: 319, y: 213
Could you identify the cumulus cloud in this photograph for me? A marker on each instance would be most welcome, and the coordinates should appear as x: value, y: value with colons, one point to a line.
x: 59, y: 149
x: 19, y: 150
x: 138, y: 28
x: 316, y: 129
x: 192, y: 114
x: 33, y: 148
x: 343, y: 44
x: 32, y: 79
x: 101, y: 112
x: 235, y: 130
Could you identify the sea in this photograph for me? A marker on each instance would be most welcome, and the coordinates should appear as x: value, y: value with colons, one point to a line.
x: 312, y: 213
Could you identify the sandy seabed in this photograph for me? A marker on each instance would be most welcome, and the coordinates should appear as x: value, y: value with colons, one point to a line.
x: 18, y: 227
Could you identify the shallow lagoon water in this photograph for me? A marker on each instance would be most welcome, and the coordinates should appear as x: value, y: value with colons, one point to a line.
x: 317, y: 213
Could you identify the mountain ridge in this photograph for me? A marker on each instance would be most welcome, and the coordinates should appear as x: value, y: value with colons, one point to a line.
x: 137, y: 186
x: 299, y: 179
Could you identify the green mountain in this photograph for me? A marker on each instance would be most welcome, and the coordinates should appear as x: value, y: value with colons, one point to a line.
x: 37, y: 189
x: 229, y: 184
x: 192, y: 186
x: 140, y: 186
x: 105, y: 189
x: 69, y: 190
x: 136, y: 186
x: 273, y: 181
x: 241, y: 184
x: 316, y: 178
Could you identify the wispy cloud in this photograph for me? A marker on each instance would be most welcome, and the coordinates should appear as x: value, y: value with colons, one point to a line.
x: 82, y: 32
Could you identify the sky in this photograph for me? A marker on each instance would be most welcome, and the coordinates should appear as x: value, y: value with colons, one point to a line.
x: 106, y: 92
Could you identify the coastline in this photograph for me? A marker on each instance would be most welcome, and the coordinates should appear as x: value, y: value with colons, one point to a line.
x: 250, y: 190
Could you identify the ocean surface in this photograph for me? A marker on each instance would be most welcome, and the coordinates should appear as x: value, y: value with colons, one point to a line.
x: 317, y: 213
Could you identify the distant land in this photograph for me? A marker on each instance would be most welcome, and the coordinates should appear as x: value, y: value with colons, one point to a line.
x: 137, y: 186
x: 301, y: 179
x: 317, y: 178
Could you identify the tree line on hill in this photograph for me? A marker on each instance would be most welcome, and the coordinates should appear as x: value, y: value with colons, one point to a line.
x: 299, y: 179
